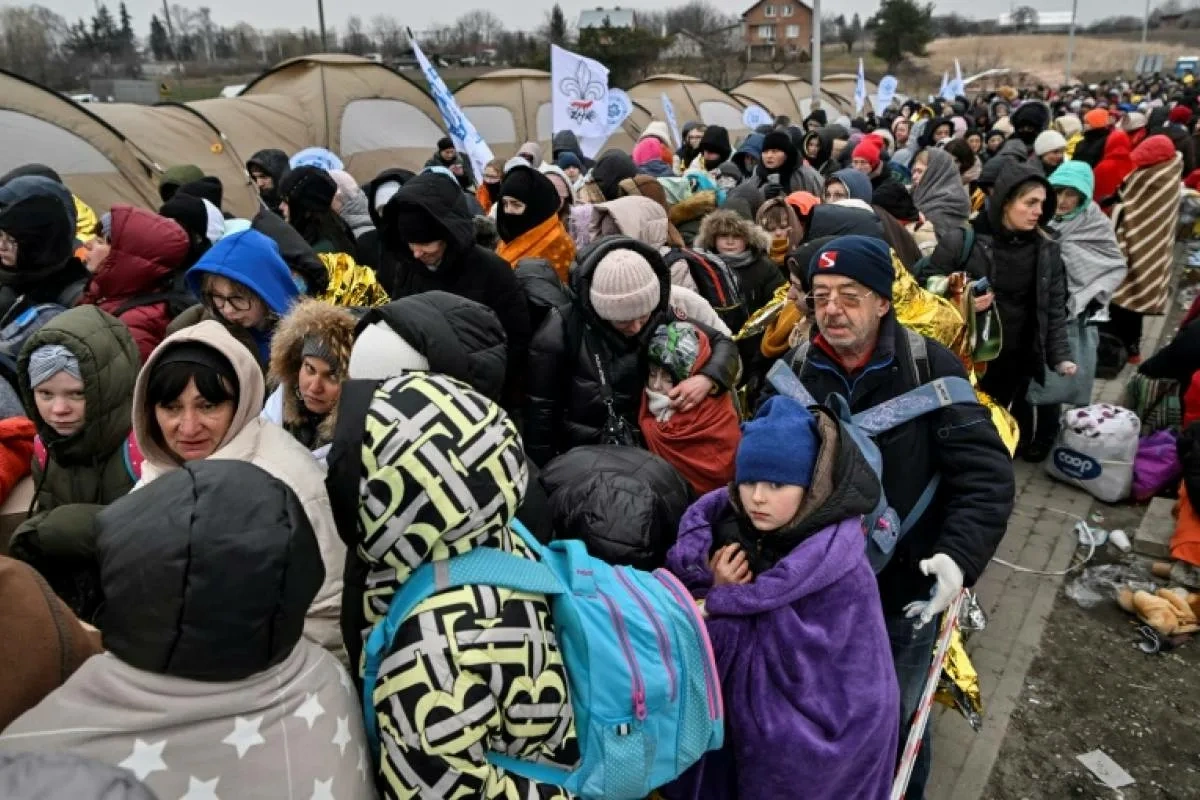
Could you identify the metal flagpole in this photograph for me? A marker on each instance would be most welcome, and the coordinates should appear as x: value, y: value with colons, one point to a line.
x: 816, y: 50
x: 1071, y: 39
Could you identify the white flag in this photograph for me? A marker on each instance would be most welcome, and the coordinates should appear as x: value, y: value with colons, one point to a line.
x: 462, y: 130
x: 958, y: 87
x: 619, y: 109
x: 579, y: 92
x: 860, y: 89
x: 672, y: 122
x: 945, y: 92
x: 887, y: 90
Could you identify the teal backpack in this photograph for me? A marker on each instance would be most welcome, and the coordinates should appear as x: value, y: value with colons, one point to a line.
x: 644, y: 685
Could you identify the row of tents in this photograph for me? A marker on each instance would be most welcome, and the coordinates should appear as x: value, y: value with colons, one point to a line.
x: 372, y: 116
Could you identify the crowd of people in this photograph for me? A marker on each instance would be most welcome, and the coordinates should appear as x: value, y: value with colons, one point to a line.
x: 245, y: 435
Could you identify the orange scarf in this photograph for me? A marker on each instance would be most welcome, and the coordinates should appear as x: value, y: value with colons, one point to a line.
x: 549, y: 240
x: 484, y: 196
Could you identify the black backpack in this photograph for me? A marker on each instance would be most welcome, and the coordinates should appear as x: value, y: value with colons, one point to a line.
x: 716, y: 283
x: 177, y: 297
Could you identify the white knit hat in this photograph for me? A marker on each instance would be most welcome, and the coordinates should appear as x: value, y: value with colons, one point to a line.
x: 1048, y: 142
x: 624, y: 287
x: 380, y: 353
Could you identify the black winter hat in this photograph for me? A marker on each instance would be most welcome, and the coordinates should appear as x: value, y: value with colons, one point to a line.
x: 445, y: 143
x: 189, y: 212
x: 207, y: 188
x: 894, y: 198
x: 308, y: 189
x: 778, y: 140
x: 716, y: 140
x: 40, y: 170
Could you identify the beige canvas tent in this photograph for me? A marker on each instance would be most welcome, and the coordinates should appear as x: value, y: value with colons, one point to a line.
x: 512, y: 106
x: 692, y: 99
x: 783, y: 94
x: 842, y: 84
x: 95, y: 158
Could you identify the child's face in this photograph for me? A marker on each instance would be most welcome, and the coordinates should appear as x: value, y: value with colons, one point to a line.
x: 731, y: 245
x: 770, y: 506
x: 660, y: 380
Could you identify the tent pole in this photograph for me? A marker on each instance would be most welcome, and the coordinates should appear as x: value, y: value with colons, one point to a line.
x: 321, y: 23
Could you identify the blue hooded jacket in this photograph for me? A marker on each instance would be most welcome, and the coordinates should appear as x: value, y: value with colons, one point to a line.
x: 251, y: 259
x: 752, y: 146
x: 857, y: 184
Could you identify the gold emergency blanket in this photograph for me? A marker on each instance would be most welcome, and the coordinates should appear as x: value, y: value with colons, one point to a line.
x: 958, y: 687
x: 919, y: 309
x: 351, y: 284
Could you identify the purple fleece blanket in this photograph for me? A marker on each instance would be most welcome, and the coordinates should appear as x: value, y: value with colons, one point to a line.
x: 811, y: 700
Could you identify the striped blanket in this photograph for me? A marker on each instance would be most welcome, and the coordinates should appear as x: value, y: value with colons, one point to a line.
x: 1145, y: 223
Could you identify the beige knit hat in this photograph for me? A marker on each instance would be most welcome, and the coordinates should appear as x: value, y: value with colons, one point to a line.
x: 624, y: 287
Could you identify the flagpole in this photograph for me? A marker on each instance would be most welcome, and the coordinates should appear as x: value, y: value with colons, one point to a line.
x: 1071, y: 40
x: 816, y: 50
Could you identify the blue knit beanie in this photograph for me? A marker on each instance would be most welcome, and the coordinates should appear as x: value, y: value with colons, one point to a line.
x: 861, y: 258
x: 779, y: 445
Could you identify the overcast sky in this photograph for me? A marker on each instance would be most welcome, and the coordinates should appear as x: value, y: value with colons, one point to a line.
x: 519, y: 14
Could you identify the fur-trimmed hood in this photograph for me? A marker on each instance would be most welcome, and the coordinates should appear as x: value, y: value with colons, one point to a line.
x: 334, y: 326
x: 693, y: 208
x: 730, y: 223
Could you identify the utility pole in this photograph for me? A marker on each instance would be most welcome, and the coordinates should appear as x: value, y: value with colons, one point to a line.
x: 1145, y: 28
x: 321, y: 23
x: 1071, y: 39
x: 816, y: 50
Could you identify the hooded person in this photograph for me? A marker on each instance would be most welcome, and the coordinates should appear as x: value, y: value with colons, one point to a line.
x: 645, y: 220
x: 700, y: 443
x: 306, y: 198
x: 395, y: 508
x: 52, y: 642
x: 781, y: 166
x: 35, y: 776
x: 748, y: 156
x: 76, y: 376
x: 310, y: 359
x: 488, y: 192
x: 689, y: 150
x: 1031, y: 118
x: 936, y: 132
x: 200, y: 396
x: 245, y: 284
x: 1113, y: 169
x: 848, y: 184
x: 37, y: 242
x: 648, y: 156
x: 714, y: 148
x: 1071, y: 127
x: 350, y: 203
x: 1096, y: 130
x: 528, y: 222
x: 939, y: 193
x: 793, y: 610
x: 86, y: 220
x: 746, y: 249
x: 781, y: 220
x: 818, y: 148
x: 198, y: 220
x: 237, y: 695
x: 268, y: 168
x: 448, y: 157
x: 610, y: 169
x: 175, y: 177
x: 1178, y: 128
x: 568, y: 142
x: 430, y: 238
x: 1147, y: 238
x: 207, y: 188
x: 593, y: 348
x: 896, y: 201
x: 136, y: 259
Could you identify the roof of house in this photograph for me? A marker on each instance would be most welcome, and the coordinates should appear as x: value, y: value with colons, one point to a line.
x: 801, y: 3
x: 617, y: 17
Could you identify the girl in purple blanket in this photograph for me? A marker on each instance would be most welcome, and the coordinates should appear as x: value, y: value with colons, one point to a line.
x: 778, y: 561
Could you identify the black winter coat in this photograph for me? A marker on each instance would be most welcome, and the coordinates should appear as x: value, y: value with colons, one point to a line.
x: 467, y: 269
x: 566, y: 407
x: 969, y: 514
x: 623, y: 502
x: 1048, y: 336
x: 1179, y: 359
x: 295, y: 251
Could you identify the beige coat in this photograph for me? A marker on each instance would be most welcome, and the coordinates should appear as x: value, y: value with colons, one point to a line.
x: 268, y: 446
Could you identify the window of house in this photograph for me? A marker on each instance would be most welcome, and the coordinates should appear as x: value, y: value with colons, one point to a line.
x: 766, y: 32
x: 769, y: 11
x: 785, y: 11
x: 793, y: 31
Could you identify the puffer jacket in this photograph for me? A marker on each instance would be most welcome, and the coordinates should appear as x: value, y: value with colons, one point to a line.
x: 333, y: 327
x: 206, y: 672
x: 492, y: 644
x: 86, y: 471
x: 467, y: 269
x: 645, y: 220
x: 147, y: 250
x: 566, y: 407
x: 40, y: 214
x: 252, y: 439
x: 625, y: 503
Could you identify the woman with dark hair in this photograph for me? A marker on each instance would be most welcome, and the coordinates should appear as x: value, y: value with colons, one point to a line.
x: 306, y: 201
x: 200, y: 396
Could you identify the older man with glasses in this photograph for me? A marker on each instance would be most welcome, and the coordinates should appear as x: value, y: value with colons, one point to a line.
x: 864, y: 354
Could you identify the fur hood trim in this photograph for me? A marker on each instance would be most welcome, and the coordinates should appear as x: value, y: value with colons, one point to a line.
x: 730, y: 223
x: 332, y: 324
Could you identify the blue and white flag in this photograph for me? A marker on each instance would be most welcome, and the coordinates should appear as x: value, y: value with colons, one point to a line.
x: 756, y: 116
x: 672, y: 122
x: 460, y: 129
x: 579, y: 94
x: 619, y: 109
x: 885, y: 93
x: 957, y: 87
x: 860, y: 89
x: 945, y: 92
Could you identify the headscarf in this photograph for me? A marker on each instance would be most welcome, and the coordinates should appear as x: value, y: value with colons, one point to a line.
x: 536, y: 191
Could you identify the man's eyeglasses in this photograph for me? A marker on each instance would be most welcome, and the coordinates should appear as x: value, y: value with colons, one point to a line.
x: 845, y: 298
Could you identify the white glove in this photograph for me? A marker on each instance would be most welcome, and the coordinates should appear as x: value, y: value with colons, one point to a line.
x: 1066, y: 368
x: 949, y: 584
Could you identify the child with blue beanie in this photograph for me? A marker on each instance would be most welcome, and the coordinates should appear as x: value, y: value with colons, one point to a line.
x: 778, y: 561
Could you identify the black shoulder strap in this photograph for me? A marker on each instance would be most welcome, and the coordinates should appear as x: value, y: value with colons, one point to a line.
x: 918, y: 353
x: 143, y: 300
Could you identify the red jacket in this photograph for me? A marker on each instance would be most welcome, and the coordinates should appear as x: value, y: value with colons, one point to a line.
x: 146, y: 252
x: 1114, y: 168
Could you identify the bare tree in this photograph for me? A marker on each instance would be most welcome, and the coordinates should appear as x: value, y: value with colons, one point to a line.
x: 389, y: 35
x: 356, y: 41
x: 477, y: 29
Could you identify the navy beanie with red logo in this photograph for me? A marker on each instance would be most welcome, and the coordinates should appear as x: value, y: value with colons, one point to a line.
x: 861, y: 258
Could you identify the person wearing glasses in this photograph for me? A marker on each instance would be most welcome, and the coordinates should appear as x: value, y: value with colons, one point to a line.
x: 863, y: 353
x: 246, y: 285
